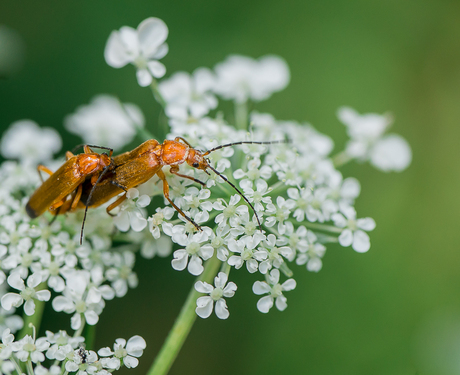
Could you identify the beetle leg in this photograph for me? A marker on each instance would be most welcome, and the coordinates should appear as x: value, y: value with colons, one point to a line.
x: 76, y: 198
x: 116, y: 204
x: 166, y: 194
x: 87, y: 150
x: 118, y: 185
x: 175, y: 170
x: 177, y: 139
x: 68, y: 155
x: 42, y: 168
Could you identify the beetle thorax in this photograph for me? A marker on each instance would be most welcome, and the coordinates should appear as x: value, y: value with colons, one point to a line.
x: 90, y: 163
x: 173, y: 152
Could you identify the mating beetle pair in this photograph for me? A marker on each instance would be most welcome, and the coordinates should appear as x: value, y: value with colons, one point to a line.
x: 90, y: 179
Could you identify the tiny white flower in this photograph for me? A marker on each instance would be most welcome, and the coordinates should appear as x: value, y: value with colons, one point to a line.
x: 189, y: 95
x: 244, y: 251
x: 353, y: 229
x: 27, y: 293
x: 254, y: 173
x: 391, y: 153
x: 31, y: 144
x: 131, y: 214
x: 105, y: 122
x: 274, y: 291
x: 241, y: 78
x: 142, y: 48
x: 275, y: 254
x: 279, y: 213
x: 29, y: 348
x: 82, y: 361
x: 231, y: 211
x: 196, y: 250
x: 123, y: 353
x: 205, y: 304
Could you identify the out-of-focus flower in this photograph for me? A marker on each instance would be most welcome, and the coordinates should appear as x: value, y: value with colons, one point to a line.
x: 189, y: 94
x: 31, y: 144
x: 142, y: 48
x: 241, y: 78
x: 105, y: 122
x: 367, y: 140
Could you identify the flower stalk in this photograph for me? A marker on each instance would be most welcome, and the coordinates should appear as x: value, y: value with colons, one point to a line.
x: 183, y: 323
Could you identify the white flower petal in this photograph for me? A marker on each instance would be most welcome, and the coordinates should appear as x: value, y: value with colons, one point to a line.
x: 221, y: 309
x: 130, y: 362
x: 265, y: 304
x: 43, y: 295
x: 143, y: 77
x: 152, y: 33
x: 10, y: 300
x: 346, y: 238
x: 261, y: 287
x: 204, y: 307
x: 361, y: 242
x: 280, y: 303
x: 366, y: 224
x: 156, y: 68
x: 203, y: 287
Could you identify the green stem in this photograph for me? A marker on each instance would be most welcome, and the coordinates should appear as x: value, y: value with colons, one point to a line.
x: 323, y: 227
x: 163, y: 120
x: 82, y: 325
x: 35, y: 319
x: 241, y: 115
x: 16, y: 365
x: 341, y: 158
x: 156, y: 93
x: 183, y: 323
x: 30, y: 369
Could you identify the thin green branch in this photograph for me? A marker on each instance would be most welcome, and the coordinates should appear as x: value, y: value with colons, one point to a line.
x: 183, y: 323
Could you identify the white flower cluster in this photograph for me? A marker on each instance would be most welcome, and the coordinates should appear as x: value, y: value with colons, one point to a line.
x: 40, y: 261
x: 267, y: 207
x: 65, y: 352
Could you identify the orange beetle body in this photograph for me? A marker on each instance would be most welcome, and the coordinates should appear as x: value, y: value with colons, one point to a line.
x: 53, y: 193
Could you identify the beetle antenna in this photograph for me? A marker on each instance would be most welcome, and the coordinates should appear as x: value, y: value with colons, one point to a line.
x: 90, y: 196
x: 239, y: 192
x: 95, y: 146
x: 246, y: 143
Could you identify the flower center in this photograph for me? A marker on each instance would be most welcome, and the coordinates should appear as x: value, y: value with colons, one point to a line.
x: 217, y: 242
x: 121, y: 352
x: 253, y: 174
x: 302, y: 204
x: 246, y: 254
x: 217, y: 294
x: 250, y: 228
x: 53, y: 269
x: 294, y: 240
x: 229, y: 211
x: 29, y: 347
x: 80, y: 307
x: 352, y: 224
x: 192, y: 248
x: 27, y: 260
x: 28, y: 293
x: 277, y: 290
x: 125, y: 271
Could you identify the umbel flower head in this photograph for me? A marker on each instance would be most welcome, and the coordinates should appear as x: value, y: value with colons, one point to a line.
x: 271, y: 198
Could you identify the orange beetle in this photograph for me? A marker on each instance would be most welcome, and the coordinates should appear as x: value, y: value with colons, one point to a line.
x: 68, y: 180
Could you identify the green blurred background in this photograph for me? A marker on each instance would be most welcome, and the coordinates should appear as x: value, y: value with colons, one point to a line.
x: 394, y: 310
